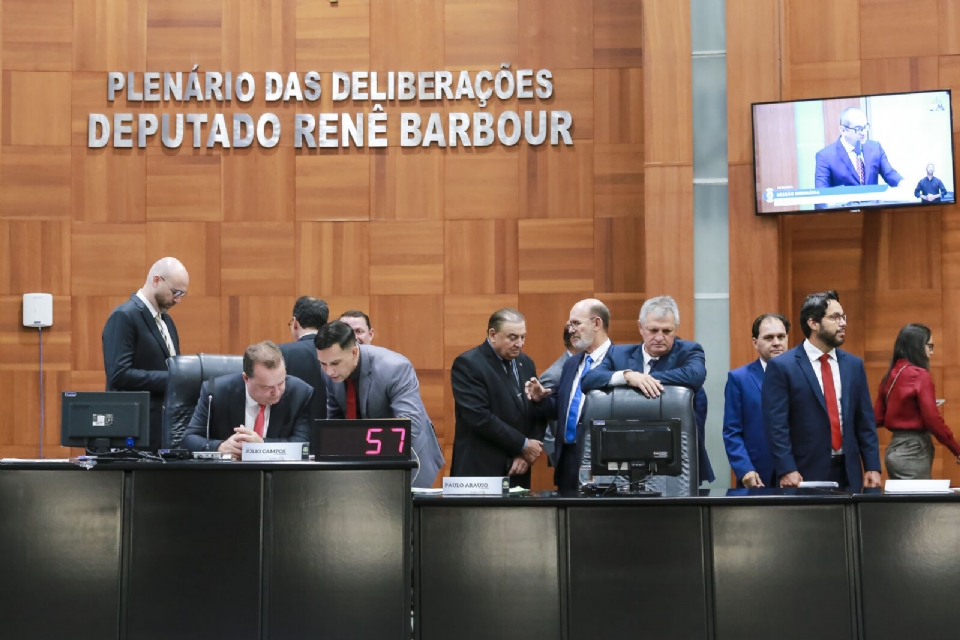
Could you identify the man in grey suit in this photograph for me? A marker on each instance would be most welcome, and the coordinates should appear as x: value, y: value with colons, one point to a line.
x: 368, y: 382
x: 551, y: 378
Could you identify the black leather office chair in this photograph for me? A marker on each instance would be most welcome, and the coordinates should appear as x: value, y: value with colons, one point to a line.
x: 186, y: 374
x: 621, y: 403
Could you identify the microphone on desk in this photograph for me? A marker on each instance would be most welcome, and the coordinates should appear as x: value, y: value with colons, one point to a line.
x: 209, y: 411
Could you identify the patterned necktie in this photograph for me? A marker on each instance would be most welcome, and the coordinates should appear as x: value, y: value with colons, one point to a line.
x: 258, y: 423
x: 650, y: 364
x: 860, y: 168
x: 166, y: 334
x: 573, y: 416
x: 830, y: 397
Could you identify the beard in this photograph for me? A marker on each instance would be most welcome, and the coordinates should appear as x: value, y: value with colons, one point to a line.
x: 581, y: 342
x: 831, y: 339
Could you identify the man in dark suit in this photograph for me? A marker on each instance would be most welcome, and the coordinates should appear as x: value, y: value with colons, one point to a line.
x: 744, y: 436
x: 498, y: 430
x: 588, y: 325
x: 816, y: 405
x: 661, y: 359
x: 368, y: 382
x: 262, y: 404
x: 930, y: 189
x: 139, y: 336
x: 852, y: 160
x: 549, y: 379
x: 360, y: 323
x: 300, y: 356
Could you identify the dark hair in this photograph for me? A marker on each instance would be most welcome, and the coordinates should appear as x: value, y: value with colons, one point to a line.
x: 266, y: 353
x: 911, y: 345
x: 336, y: 332
x: 566, y: 336
x: 500, y: 316
x: 353, y: 313
x: 815, y: 307
x: 760, y: 319
x: 310, y: 312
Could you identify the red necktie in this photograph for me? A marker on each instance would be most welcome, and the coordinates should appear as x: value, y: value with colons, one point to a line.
x: 860, y: 169
x: 351, y: 400
x: 830, y: 396
x: 258, y: 423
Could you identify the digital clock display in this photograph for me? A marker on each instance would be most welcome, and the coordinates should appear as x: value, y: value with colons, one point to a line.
x: 362, y: 439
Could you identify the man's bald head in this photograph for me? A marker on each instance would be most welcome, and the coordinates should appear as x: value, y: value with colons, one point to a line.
x: 166, y: 283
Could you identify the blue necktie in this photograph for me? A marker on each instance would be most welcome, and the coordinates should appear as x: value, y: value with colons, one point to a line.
x: 570, y: 435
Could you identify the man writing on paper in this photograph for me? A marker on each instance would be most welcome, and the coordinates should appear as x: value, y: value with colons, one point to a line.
x: 262, y: 404
x: 816, y: 405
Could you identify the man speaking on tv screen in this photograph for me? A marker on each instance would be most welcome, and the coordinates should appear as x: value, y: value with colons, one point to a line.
x: 853, y: 160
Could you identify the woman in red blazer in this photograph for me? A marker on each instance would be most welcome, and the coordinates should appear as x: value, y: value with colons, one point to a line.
x: 907, y: 406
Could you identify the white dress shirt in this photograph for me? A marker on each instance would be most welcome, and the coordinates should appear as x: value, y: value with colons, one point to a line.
x: 763, y: 363
x: 814, y: 354
x: 160, y: 323
x: 251, y: 409
x: 597, y: 357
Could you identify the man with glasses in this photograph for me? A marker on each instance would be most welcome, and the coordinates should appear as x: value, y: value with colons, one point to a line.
x: 588, y: 325
x: 139, y: 336
x: 852, y: 160
x: 816, y: 405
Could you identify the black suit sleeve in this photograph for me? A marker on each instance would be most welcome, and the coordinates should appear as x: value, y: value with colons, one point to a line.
x: 119, y: 343
x: 474, y: 405
x: 195, y: 435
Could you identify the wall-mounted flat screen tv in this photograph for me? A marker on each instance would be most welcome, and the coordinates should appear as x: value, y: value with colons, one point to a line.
x: 889, y: 150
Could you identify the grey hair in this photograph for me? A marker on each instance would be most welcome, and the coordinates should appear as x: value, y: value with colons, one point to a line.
x: 502, y: 316
x: 845, y: 115
x: 660, y: 307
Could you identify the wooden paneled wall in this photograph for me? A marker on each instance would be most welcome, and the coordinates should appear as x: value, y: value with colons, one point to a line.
x: 428, y: 241
x: 891, y: 267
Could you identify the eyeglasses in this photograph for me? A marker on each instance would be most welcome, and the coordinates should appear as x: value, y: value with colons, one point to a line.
x: 857, y: 130
x: 176, y: 292
x: 837, y: 317
x: 576, y: 323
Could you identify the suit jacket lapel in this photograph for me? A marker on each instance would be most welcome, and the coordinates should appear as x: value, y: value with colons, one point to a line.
x: 845, y: 158
x: 238, y: 410
x: 497, y: 365
x: 279, y: 414
x: 756, y: 373
x: 845, y: 380
x: 804, y: 361
x: 151, y: 324
x: 366, y: 381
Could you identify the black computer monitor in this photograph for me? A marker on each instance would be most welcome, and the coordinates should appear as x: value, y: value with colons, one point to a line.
x: 102, y: 420
x: 636, y: 449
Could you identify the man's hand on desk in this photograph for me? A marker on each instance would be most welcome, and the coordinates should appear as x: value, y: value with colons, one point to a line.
x: 792, y: 479
x: 519, y: 467
x: 648, y: 386
x: 234, y: 444
x: 752, y: 480
x: 531, y: 452
x: 871, y: 479
x: 535, y: 391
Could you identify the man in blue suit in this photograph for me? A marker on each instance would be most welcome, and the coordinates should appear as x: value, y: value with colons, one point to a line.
x: 661, y: 359
x: 852, y: 160
x: 588, y: 325
x: 816, y: 405
x: 744, y: 437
